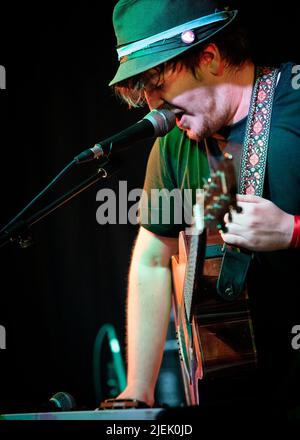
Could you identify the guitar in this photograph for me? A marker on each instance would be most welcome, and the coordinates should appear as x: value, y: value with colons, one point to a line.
x: 214, y: 335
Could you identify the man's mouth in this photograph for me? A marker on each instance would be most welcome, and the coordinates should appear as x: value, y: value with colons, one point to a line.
x: 178, y: 115
x: 180, y: 121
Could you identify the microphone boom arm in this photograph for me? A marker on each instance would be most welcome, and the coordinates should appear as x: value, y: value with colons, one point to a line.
x: 20, y: 231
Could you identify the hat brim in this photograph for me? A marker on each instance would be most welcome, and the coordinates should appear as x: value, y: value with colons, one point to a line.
x: 135, y: 66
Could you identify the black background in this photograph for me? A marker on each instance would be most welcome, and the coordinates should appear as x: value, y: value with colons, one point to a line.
x: 56, y: 294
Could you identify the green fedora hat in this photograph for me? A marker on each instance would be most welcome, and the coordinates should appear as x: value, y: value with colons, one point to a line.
x: 150, y: 32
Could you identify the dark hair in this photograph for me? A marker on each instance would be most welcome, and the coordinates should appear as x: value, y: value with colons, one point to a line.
x: 234, y: 47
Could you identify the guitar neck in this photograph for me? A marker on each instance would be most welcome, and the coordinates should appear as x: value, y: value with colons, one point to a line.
x: 194, y: 269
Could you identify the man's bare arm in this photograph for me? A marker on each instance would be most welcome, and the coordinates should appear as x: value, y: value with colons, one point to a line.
x: 148, y: 312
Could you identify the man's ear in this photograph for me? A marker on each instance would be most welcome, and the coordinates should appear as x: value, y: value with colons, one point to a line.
x: 211, y: 60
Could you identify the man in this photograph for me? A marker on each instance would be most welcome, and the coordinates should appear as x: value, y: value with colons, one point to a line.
x: 193, y: 58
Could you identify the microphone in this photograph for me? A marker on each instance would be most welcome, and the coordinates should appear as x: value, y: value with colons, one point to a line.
x: 61, y: 401
x: 155, y: 124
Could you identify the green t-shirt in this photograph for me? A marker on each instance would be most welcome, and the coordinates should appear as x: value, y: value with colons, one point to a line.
x: 175, y: 163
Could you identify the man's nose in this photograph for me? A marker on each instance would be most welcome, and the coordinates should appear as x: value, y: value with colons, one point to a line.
x: 154, y: 99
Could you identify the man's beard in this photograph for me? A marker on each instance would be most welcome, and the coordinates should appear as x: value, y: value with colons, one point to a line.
x: 207, y: 129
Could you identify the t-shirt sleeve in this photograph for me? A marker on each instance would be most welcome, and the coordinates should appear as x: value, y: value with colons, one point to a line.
x: 161, y: 206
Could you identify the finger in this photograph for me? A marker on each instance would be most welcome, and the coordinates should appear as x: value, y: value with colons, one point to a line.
x: 236, y: 229
x: 227, y: 218
x: 239, y: 218
x: 234, y: 240
x: 248, y: 198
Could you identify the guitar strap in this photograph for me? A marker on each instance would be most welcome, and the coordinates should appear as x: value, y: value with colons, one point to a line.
x: 252, y: 160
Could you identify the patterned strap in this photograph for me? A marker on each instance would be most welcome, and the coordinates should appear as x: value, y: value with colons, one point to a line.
x: 252, y: 173
x: 254, y: 154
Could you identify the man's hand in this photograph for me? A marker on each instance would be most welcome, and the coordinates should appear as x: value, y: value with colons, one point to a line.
x: 261, y: 226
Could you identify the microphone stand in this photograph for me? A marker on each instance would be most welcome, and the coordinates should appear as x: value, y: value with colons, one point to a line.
x: 20, y: 230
